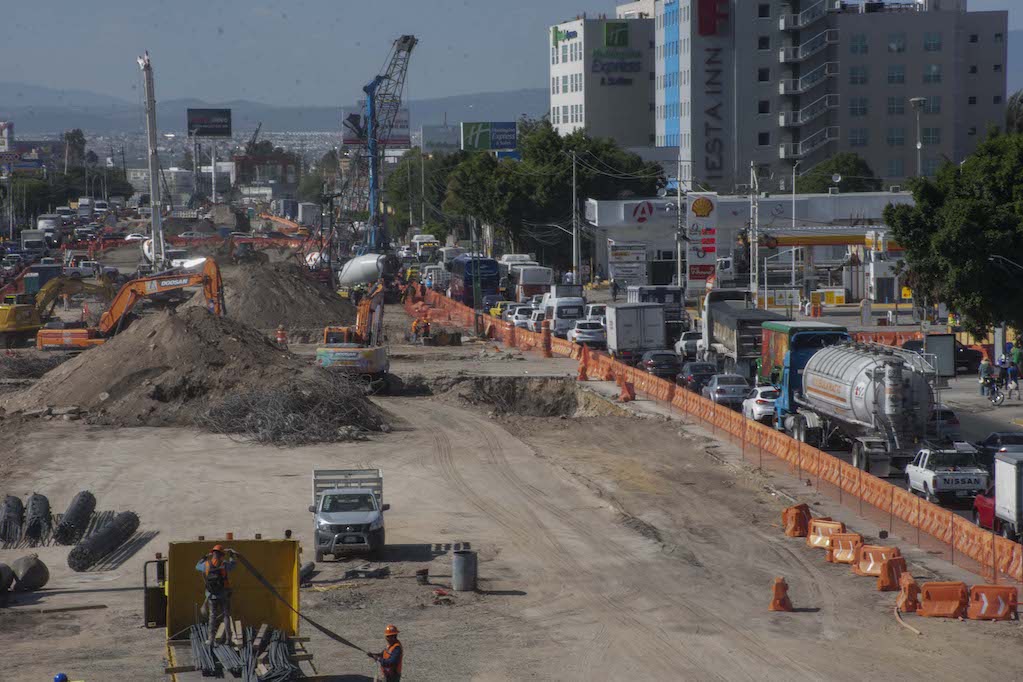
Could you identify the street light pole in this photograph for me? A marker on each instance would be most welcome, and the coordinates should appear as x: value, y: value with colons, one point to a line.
x: 918, y: 104
x: 679, y: 234
x: 577, y: 275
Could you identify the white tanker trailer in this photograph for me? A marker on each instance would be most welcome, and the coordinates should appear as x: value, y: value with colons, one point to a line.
x: 877, y: 398
x: 362, y: 270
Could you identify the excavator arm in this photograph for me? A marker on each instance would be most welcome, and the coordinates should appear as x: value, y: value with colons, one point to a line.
x: 52, y: 290
x: 136, y: 290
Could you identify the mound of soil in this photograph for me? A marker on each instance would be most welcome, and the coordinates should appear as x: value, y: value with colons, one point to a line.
x: 165, y: 369
x: 525, y: 396
x: 265, y: 296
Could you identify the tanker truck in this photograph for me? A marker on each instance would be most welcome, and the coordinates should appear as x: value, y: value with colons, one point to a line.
x: 875, y: 398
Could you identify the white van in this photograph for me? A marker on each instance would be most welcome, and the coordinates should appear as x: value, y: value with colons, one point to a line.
x: 562, y: 313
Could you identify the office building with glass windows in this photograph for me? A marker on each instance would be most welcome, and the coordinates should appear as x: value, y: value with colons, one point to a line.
x: 781, y: 85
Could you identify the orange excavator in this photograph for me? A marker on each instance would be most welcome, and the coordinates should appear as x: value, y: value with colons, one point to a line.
x: 360, y: 349
x: 112, y: 321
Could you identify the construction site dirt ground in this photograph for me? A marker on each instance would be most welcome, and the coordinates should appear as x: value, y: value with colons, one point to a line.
x: 611, y: 547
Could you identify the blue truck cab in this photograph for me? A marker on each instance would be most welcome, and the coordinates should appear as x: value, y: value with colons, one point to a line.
x: 802, y: 346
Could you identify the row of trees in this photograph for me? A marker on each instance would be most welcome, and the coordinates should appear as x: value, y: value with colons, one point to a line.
x: 520, y: 198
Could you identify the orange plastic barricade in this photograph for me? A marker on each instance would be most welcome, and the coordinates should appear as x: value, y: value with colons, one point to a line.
x: 992, y: 602
x: 628, y: 393
x: 584, y: 360
x: 780, y: 596
x: 820, y: 532
x: 869, y: 557
x: 943, y: 599
x: 796, y: 520
x: 908, y: 600
x: 843, y: 546
x: 892, y: 570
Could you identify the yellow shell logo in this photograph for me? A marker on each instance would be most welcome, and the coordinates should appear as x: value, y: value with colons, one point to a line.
x: 702, y: 207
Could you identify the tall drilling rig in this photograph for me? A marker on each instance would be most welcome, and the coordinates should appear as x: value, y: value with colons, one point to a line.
x: 360, y: 191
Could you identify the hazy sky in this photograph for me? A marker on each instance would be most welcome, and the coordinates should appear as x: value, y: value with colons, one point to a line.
x: 301, y: 52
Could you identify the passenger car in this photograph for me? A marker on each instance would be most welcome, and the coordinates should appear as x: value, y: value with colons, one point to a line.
x: 726, y: 389
x: 759, y: 404
x: 661, y: 363
x: 522, y: 317
x: 694, y: 375
x: 943, y: 424
x: 536, y: 319
x: 588, y: 332
x: 999, y: 441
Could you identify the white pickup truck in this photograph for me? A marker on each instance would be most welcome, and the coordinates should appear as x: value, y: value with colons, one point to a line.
x: 947, y: 474
x: 349, y: 511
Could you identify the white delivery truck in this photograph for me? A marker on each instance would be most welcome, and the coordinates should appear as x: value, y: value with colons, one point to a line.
x: 562, y: 314
x: 348, y: 511
x: 633, y: 329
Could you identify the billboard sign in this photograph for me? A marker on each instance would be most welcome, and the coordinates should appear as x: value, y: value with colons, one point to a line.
x: 400, y: 136
x: 557, y: 36
x: 710, y: 13
x: 209, y: 122
x: 6, y: 136
x: 702, y: 230
x: 489, y: 135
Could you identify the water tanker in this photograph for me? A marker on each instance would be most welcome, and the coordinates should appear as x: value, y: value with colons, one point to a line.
x: 876, y: 398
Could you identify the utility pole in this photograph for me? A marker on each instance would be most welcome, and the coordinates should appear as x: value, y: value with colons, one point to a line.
x: 213, y: 170
x: 680, y: 234
x: 577, y: 279
x: 422, y: 188
x: 918, y: 104
x: 408, y: 166
x: 154, y: 164
x: 754, y: 237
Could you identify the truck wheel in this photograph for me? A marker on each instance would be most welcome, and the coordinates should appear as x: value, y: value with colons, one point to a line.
x: 1008, y: 532
x: 859, y: 458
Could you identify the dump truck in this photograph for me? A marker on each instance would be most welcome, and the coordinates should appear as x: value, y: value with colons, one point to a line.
x: 348, y: 512
x: 731, y: 328
x: 875, y: 398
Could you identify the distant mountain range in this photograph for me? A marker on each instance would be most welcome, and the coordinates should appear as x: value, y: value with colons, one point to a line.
x: 36, y: 109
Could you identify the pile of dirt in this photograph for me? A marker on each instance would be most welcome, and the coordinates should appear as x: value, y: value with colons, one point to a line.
x: 525, y: 396
x: 265, y: 296
x: 166, y: 368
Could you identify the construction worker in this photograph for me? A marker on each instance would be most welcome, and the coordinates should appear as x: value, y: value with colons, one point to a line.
x: 415, y: 330
x: 214, y: 567
x: 424, y: 328
x: 391, y: 657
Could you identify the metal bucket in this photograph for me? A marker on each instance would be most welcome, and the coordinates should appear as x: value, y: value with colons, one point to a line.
x: 463, y: 571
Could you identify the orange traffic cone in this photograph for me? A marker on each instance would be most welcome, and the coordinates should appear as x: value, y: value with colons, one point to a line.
x: 908, y: 600
x: 780, y: 596
x: 627, y: 394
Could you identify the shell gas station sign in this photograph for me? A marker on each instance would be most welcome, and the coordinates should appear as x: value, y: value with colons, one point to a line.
x: 702, y: 234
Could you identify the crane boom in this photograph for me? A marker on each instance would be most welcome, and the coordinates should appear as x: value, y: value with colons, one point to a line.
x: 154, y: 163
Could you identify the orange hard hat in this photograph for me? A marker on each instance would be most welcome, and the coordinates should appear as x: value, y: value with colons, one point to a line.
x: 218, y: 548
x: 390, y: 630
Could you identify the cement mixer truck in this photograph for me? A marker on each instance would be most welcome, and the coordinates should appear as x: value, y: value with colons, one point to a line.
x: 875, y: 398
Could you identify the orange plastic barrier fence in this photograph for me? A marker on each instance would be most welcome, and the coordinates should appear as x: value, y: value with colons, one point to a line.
x: 842, y: 547
x: 892, y: 570
x: 820, y: 532
x: 965, y: 539
x: 780, y: 596
x: 992, y: 602
x: 943, y: 600
x: 796, y: 520
x: 869, y: 557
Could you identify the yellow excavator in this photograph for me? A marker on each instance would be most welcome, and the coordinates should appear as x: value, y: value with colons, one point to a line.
x: 359, y: 349
x: 23, y: 315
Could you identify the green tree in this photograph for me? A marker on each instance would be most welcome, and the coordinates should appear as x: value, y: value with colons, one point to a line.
x: 186, y: 161
x: 75, y: 141
x: 961, y: 218
x: 857, y: 176
x: 310, y: 187
x: 1014, y: 113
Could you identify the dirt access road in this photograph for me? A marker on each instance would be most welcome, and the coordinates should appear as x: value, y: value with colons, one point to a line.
x: 611, y: 548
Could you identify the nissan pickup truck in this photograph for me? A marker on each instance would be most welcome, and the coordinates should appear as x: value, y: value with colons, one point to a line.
x: 947, y: 474
x: 348, y: 512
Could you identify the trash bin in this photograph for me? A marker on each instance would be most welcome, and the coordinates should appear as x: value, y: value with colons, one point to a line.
x: 463, y: 571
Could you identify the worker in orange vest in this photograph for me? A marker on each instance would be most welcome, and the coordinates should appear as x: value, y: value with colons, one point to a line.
x: 214, y: 568
x: 390, y: 658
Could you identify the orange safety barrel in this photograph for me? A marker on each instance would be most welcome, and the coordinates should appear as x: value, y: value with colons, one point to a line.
x: 842, y: 549
x: 943, y: 599
x: 796, y: 520
x: 892, y: 570
x: 992, y: 602
x: 908, y: 600
x: 869, y: 557
x: 820, y: 532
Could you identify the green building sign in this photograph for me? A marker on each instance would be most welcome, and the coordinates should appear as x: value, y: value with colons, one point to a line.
x: 616, y: 34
